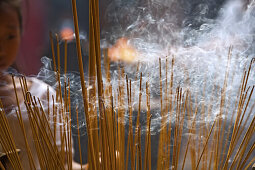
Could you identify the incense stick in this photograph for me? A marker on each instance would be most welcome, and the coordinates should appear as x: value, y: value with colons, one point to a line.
x: 79, y: 142
x: 53, y: 51
x: 19, y: 116
x: 107, y: 147
x: 78, y: 46
x: 205, y: 144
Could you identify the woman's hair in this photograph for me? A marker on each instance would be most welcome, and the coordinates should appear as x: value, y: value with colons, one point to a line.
x: 15, y: 4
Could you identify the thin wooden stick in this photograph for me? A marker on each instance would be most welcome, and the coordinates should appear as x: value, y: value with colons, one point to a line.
x: 42, y: 129
x: 244, y: 144
x: 36, y: 136
x: 165, y: 114
x: 243, y: 114
x: 132, y: 148
x: 38, y: 122
x: 170, y: 114
x: 10, y: 139
x: 252, y: 161
x: 160, y: 146
x: 79, y: 142
x: 6, y: 142
x: 233, y: 137
x: 239, y: 165
x: 130, y: 125
x: 53, y: 52
x: 137, y: 140
x: 222, y: 104
x: 246, y: 136
x: 190, y: 130
x: 19, y: 116
x: 207, y: 139
x: 184, y: 107
x: 177, y: 126
x: 58, y: 53
x: 1, y: 166
x: 67, y: 149
x: 146, y: 156
x: 65, y: 69
x: 78, y: 47
x: 70, y: 122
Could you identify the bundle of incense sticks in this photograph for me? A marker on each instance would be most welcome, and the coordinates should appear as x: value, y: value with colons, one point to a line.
x: 49, y: 127
x: 112, y: 145
x: 109, y: 147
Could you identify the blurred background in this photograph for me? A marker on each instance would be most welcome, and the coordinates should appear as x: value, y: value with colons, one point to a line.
x: 155, y: 21
x: 40, y: 17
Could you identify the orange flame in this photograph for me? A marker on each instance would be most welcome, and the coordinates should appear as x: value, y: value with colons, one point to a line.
x: 122, y: 51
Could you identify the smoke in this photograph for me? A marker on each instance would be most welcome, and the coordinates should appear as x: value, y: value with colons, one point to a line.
x: 202, y: 36
x: 158, y: 27
x: 197, y: 34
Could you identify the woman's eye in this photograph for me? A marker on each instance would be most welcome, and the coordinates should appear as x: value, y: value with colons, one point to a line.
x: 10, y: 37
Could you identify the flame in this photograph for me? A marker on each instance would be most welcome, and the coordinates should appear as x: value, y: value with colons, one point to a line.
x: 122, y: 51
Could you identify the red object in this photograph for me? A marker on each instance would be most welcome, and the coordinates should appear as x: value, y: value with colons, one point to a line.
x: 33, y: 37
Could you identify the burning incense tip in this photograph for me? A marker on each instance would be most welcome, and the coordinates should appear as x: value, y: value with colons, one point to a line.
x: 123, y: 51
x: 67, y: 33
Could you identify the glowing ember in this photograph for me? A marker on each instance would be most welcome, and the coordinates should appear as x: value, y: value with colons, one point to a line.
x: 67, y: 33
x: 122, y: 51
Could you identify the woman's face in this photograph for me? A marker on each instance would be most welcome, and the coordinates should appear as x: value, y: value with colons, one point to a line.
x: 9, y: 35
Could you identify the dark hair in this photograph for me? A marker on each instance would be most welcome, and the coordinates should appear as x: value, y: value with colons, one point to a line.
x: 15, y: 4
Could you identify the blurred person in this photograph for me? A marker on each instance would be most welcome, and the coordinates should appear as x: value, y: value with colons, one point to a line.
x: 10, y: 42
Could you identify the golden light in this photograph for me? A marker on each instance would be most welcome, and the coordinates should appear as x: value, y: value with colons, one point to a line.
x: 122, y: 51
